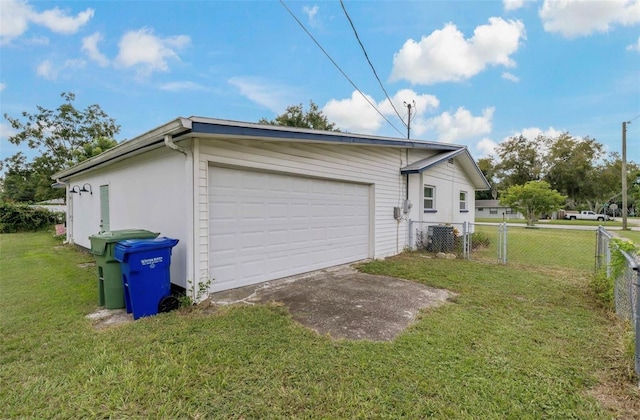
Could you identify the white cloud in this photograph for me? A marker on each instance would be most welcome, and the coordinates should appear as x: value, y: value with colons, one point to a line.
x: 182, y: 86
x: 486, y: 147
x: 90, y: 47
x: 572, y: 18
x: 423, y: 103
x: 512, y: 4
x: 357, y: 115
x: 634, y: 47
x: 3, y: 86
x: 446, y: 55
x: 6, y: 131
x: 531, y: 133
x: 37, y: 40
x: 311, y: 13
x: 14, y: 19
x: 354, y: 114
x: 50, y: 71
x: 59, y: 22
x: 461, y: 125
x: 16, y: 15
x: 269, y: 95
x: 511, y: 77
x: 45, y: 70
x: 148, y: 52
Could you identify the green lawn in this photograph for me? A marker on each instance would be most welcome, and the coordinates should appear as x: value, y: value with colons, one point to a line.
x: 518, y: 342
x: 535, y: 247
x: 616, y: 223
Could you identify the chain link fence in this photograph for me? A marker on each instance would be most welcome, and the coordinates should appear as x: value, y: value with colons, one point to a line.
x: 626, y: 282
x: 540, y: 247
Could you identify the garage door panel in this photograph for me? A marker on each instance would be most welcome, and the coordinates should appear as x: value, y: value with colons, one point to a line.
x: 265, y: 226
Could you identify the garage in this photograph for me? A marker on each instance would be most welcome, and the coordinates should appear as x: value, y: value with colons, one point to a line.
x: 266, y: 225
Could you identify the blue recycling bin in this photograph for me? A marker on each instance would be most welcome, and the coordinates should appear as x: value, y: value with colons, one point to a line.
x: 146, y: 277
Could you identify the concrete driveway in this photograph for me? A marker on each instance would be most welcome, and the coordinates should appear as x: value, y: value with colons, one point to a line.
x: 342, y: 302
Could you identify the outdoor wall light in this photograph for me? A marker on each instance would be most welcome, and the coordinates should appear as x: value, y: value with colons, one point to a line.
x: 84, y: 188
x: 75, y: 190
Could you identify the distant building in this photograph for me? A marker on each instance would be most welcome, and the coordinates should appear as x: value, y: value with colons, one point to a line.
x: 492, y: 209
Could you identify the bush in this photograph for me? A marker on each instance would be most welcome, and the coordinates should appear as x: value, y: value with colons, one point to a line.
x: 22, y: 218
x: 480, y: 239
x: 602, y: 287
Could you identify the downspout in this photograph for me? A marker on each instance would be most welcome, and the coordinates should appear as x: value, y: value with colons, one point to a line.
x: 191, y: 245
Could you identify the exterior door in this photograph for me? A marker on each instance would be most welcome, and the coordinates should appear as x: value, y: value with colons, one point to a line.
x: 105, y: 224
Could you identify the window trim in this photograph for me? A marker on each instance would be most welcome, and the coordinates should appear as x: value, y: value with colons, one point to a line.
x: 431, y: 209
x: 465, y: 201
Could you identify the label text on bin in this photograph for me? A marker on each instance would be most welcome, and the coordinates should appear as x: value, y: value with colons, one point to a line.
x: 151, y: 262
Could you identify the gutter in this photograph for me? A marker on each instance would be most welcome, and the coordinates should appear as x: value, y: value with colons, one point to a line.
x: 150, y: 139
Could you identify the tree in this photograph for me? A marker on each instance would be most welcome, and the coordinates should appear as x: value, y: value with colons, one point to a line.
x: 64, y: 136
x: 532, y: 199
x: 571, y: 167
x: 295, y: 116
x: 487, y: 167
x: 520, y: 160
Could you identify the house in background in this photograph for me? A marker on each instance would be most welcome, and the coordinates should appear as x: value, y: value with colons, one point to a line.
x: 251, y: 203
x: 492, y: 209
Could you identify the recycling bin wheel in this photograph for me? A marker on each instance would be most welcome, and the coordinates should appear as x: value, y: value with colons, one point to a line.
x: 168, y: 304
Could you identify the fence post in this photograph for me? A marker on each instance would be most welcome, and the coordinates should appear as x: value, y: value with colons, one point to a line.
x: 637, y: 320
x: 502, y: 243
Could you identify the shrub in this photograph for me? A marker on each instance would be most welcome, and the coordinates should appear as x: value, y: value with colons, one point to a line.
x: 480, y: 239
x: 602, y: 287
x: 22, y: 217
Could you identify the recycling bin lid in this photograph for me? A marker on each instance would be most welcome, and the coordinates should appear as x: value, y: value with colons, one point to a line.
x: 99, y: 241
x: 130, y: 246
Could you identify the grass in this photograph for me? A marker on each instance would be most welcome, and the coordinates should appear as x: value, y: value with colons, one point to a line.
x: 560, y: 222
x: 632, y: 235
x: 542, y: 247
x: 517, y: 342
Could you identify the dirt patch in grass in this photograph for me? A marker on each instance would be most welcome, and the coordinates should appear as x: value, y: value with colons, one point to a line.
x: 622, y: 400
x: 105, y: 318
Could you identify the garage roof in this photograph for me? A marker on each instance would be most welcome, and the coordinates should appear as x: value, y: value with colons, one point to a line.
x: 184, y: 128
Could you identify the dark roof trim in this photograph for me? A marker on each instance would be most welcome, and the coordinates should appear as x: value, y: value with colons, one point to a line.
x: 250, y: 130
x: 424, y: 164
x: 184, y: 128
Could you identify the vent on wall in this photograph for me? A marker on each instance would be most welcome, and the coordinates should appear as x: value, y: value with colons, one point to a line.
x: 451, y: 161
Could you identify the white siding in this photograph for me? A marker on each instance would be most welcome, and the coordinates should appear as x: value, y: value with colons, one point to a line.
x: 378, y: 166
x: 448, y: 179
x: 145, y: 192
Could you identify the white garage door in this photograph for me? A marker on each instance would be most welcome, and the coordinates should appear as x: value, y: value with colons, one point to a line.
x: 264, y: 226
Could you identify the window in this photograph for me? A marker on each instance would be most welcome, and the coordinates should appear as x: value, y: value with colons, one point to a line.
x: 429, y: 202
x: 463, y: 201
x: 493, y: 211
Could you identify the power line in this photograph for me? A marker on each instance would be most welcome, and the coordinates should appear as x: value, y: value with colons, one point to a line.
x: 634, y: 118
x: 369, y: 61
x: 339, y: 69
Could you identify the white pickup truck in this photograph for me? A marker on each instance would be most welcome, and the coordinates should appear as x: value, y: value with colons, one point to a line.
x: 585, y: 215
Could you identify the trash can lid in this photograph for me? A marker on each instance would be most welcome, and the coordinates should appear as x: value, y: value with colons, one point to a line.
x: 130, y: 246
x: 99, y: 241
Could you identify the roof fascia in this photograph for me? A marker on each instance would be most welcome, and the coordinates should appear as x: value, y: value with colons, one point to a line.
x: 137, y: 145
x: 233, y: 129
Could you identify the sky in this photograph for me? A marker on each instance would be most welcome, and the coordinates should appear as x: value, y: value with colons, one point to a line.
x: 474, y: 72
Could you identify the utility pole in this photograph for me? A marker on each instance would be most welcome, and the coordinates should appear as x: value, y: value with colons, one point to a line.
x: 409, y: 118
x: 624, y: 174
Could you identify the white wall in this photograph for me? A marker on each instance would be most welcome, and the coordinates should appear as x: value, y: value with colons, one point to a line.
x: 449, y: 179
x: 145, y: 192
x: 364, y: 164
